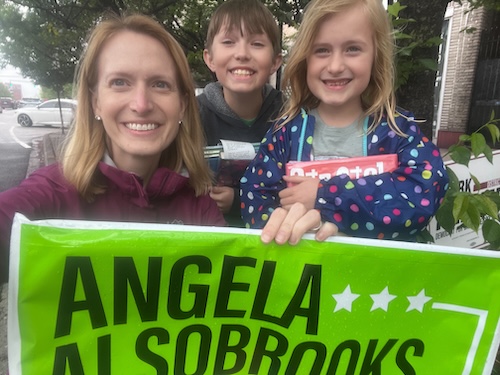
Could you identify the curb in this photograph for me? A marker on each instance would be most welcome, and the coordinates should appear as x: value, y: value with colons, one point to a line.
x: 45, y: 151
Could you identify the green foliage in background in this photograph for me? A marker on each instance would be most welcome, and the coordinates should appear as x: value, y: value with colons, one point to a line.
x: 473, y: 210
x: 44, y: 39
x: 4, y: 91
x: 407, y: 63
x: 48, y: 93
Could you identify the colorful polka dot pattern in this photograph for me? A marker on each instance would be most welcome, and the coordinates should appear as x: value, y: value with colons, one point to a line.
x: 390, y: 206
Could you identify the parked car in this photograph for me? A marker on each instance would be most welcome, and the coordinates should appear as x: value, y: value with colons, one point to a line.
x: 29, y: 102
x: 47, y: 113
x: 6, y: 102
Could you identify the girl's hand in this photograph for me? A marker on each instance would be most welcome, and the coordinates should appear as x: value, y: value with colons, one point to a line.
x: 223, y: 196
x: 290, y: 225
x: 304, y: 190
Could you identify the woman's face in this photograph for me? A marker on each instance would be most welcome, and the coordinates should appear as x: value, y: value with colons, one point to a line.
x: 137, y: 97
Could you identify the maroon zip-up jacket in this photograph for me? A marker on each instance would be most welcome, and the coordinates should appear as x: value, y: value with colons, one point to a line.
x: 46, y: 194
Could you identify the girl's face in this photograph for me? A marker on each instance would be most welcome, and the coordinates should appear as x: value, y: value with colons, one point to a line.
x: 137, y: 98
x: 242, y: 63
x: 340, y: 63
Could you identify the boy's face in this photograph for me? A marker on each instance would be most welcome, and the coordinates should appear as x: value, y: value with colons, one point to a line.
x: 242, y: 63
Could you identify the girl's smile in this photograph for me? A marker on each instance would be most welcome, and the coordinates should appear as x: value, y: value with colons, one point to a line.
x: 340, y: 63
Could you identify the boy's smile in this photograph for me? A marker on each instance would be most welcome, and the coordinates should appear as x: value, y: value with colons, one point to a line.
x: 241, y: 62
x: 242, y: 72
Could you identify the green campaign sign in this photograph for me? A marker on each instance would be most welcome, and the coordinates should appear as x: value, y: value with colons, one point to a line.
x: 116, y: 298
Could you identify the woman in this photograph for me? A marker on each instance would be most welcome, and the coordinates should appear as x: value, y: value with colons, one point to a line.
x: 135, y: 150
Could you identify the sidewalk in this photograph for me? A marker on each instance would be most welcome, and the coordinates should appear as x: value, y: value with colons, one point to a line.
x: 45, y: 151
x: 3, y: 329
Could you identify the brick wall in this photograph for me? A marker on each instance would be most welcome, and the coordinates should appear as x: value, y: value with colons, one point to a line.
x: 458, y: 78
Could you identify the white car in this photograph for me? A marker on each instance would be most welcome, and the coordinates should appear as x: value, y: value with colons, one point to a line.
x: 47, y: 113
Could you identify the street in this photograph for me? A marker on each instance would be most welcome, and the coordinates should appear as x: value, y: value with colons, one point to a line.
x: 15, y: 148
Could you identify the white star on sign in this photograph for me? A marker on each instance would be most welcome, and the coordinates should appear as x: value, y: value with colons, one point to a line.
x: 381, y: 300
x: 417, y: 302
x: 345, y: 299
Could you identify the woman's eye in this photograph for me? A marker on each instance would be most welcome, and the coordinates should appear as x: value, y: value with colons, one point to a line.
x: 118, y: 82
x: 353, y: 49
x: 161, y: 85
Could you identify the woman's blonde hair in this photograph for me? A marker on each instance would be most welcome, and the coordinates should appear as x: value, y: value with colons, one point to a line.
x: 378, y: 99
x: 86, y: 143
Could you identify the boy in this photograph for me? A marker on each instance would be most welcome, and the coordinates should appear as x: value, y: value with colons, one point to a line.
x: 243, y: 49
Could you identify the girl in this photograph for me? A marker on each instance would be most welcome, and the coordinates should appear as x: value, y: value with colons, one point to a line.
x: 135, y: 151
x: 342, y: 105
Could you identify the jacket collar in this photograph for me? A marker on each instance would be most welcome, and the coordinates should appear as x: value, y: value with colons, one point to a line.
x: 164, y: 183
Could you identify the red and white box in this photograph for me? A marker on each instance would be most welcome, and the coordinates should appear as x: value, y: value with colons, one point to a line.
x: 354, y: 167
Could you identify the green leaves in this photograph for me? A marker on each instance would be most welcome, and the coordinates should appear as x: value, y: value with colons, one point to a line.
x: 408, y: 60
x: 491, y: 233
x: 460, y: 154
x: 395, y: 8
x: 473, y: 210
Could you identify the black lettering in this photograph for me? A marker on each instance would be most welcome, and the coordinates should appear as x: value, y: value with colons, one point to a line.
x: 104, y: 355
x: 146, y: 355
x: 181, y: 350
x: 374, y: 365
x: 227, y: 284
x: 237, y: 349
x: 70, y: 356
x: 298, y: 353
x: 354, y: 347
x: 261, y: 351
x: 125, y: 274
x: 73, y: 267
x: 310, y: 275
x: 418, y: 351
x: 465, y: 185
x: 262, y: 294
x: 175, y: 288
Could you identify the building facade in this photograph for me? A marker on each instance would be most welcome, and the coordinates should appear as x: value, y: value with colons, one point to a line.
x: 468, y: 82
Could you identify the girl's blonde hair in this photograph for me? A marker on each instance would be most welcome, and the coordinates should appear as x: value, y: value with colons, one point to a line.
x: 86, y: 141
x: 378, y: 99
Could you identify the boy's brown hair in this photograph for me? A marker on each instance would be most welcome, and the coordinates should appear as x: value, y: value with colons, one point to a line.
x: 252, y: 14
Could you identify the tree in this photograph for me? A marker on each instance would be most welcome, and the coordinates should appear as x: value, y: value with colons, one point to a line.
x: 4, y: 91
x: 44, y: 50
x: 47, y: 93
x: 44, y: 39
x: 32, y: 29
